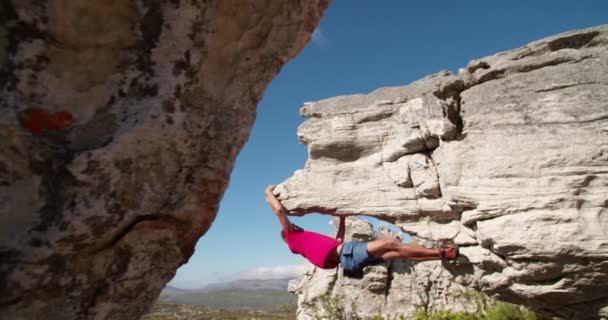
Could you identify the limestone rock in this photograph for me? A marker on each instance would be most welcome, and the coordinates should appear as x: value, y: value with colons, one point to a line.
x: 121, y: 121
x: 509, y: 159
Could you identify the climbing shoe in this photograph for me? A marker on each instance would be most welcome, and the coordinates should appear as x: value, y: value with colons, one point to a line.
x: 449, y: 253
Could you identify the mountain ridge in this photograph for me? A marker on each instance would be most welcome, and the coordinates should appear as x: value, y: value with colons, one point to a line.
x: 243, y: 284
x: 236, y: 295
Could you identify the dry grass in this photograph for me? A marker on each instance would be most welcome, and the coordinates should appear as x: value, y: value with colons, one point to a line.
x: 186, y: 312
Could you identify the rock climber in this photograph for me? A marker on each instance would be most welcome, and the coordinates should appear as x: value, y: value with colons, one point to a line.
x: 327, y: 253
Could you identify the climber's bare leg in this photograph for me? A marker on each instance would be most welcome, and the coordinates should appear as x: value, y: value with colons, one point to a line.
x: 390, y: 249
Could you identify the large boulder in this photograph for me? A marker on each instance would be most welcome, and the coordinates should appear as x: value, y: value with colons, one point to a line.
x: 508, y: 159
x: 121, y: 121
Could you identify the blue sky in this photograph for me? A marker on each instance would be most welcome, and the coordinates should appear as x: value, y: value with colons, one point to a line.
x: 360, y: 46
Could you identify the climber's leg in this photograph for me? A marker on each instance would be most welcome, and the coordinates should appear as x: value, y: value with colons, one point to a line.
x: 390, y: 249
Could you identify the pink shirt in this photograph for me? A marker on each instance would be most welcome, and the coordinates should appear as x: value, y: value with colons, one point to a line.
x: 313, y: 246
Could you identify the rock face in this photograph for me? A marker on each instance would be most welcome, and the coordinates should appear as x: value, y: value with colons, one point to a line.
x: 391, y: 290
x: 121, y: 121
x: 508, y: 159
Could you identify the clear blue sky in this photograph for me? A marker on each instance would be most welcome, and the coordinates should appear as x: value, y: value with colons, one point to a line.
x: 361, y: 45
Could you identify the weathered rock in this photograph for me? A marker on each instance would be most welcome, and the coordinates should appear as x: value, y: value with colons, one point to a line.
x: 121, y: 121
x: 509, y: 159
x: 391, y: 290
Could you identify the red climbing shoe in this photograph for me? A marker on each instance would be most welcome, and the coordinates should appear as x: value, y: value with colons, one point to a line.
x: 449, y: 253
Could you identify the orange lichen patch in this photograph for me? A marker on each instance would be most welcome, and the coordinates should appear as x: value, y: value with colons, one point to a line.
x: 38, y: 121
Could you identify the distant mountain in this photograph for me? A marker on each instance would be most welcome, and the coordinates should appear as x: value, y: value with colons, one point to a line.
x: 170, y: 291
x: 270, y: 284
x: 238, y: 295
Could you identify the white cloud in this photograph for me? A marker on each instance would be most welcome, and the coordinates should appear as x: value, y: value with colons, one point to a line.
x: 275, y: 272
x: 318, y: 37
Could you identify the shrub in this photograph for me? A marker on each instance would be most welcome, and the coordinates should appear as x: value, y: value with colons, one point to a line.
x: 496, y: 311
x: 447, y: 315
x: 331, y: 308
x: 507, y: 311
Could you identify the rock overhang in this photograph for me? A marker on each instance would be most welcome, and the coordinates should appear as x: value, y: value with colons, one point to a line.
x: 121, y: 123
x: 506, y: 159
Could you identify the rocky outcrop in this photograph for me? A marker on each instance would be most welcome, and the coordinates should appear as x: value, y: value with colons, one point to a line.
x: 508, y: 159
x: 121, y: 121
x: 390, y: 290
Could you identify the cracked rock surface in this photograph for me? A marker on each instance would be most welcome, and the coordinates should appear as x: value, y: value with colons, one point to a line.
x: 508, y: 159
x: 121, y: 121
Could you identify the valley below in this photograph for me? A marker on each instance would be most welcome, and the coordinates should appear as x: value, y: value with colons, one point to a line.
x: 244, y: 299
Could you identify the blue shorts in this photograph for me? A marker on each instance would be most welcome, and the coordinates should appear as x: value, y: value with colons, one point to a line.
x: 354, y: 257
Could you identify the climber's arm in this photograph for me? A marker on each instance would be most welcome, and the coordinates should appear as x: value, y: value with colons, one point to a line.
x: 341, y: 229
x: 278, y: 209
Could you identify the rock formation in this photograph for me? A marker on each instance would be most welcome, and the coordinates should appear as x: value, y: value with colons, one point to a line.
x: 121, y: 121
x: 508, y: 159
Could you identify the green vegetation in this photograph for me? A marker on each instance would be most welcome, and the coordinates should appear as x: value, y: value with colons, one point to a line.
x: 507, y: 311
x: 236, y: 300
x: 226, y: 304
x: 264, y: 304
x: 330, y: 308
x: 332, y: 311
x: 185, y: 312
x: 496, y: 311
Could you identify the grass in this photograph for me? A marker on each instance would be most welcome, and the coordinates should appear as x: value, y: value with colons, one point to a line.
x: 186, y: 312
x: 236, y: 300
x: 496, y: 311
x: 327, y: 308
x: 226, y: 304
x: 330, y: 308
